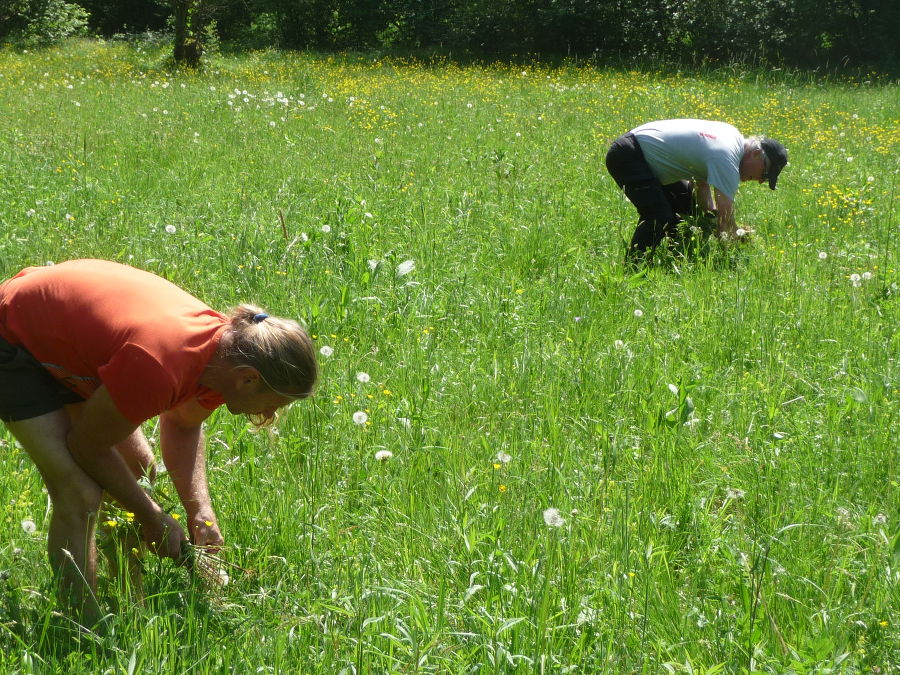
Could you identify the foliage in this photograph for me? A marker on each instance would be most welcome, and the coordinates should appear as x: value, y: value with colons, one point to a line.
x: 814, y: 33
x: 36, y: 22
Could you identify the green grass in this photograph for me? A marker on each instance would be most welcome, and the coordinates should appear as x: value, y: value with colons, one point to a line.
x: 726, y: 463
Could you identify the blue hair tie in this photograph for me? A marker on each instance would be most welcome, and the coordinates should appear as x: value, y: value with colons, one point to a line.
x: 259, y: 318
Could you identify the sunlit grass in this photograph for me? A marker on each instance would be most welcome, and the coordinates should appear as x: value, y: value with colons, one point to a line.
x: 718, y: 436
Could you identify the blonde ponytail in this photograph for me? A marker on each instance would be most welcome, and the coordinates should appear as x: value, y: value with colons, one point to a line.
x: 279, y: 349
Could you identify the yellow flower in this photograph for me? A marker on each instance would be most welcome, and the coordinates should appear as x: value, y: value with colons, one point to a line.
x: 176, y: 516
x: 496, y: 465
x: 883, y: 624
x: 110, y: 523
x: 502, y: 488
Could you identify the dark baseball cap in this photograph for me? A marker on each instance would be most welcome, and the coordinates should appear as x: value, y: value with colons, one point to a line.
x: 776, y: 154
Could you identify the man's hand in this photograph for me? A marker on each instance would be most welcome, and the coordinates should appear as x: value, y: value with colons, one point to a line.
x: 205, y: 532
x: 165, y: 537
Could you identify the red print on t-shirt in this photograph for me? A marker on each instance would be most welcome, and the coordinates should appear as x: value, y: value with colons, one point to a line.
x: 706, y: 135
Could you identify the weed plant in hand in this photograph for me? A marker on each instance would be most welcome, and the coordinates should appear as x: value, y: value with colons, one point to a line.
x: 713, y: 438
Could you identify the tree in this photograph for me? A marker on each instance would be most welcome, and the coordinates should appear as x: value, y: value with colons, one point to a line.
x: 187, y: 49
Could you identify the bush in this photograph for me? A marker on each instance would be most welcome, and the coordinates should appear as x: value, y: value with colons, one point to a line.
x: 43, y: 21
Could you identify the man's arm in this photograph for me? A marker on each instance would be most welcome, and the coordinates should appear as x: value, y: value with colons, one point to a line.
x: 703, y: 197
x: 92, y: 443
x: 727, y: 227
x: 184, y: 454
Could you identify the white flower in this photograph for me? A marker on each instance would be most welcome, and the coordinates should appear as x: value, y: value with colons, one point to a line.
x: 30, y: 213
x: 405, y: 267
x: 880, y: 519
x: 638, y: 313
x: 28, y: 526
x: 171, y: 229
x: 326, y: 229
x: 362, y: 377
x: 504, y: 458
x: 734, y: 493
x: 870, y: 179
x: 326, y: 351
x: 360, y: 417
x: 553, y: 518
x: 822, y: 255
x: 866, y: 276
x: 383, y: 455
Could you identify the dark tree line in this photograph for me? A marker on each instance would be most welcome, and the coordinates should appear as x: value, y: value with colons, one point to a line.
x: 858, y: 33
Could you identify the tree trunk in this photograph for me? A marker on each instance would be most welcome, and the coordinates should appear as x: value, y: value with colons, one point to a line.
x: 187, y: 50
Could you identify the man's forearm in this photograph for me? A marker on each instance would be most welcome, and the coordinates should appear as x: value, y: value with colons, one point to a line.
x: 184, y: 455
x: 110, y: 471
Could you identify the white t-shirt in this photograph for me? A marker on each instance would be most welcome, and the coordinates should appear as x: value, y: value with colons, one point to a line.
x: 693, y: 149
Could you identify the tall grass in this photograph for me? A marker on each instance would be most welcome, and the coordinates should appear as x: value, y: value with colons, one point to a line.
x: 718, y: 435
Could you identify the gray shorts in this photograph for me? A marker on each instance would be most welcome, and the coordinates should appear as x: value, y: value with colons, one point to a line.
x: 26, y: 388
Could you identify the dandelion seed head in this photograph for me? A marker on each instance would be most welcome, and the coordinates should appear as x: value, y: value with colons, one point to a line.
x: 326, y: 229
x: 360, y: 417
x: 866, y: 276
x: 638, y: 313
x: 503, y: 457
x: 553, y: 518
x: 362, y: 377
x: 326, y: 351
x: 383, y: 455
x: 734, y: 493
x: 405, y: 267
x: 28, y: 526
x: 171, y: 229
x: 822, y: 255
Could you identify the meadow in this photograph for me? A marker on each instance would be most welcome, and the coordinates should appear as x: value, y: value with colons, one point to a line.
x: 521, y: 457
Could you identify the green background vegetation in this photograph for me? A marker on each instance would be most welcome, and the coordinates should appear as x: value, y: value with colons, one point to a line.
x: 830, y: 34
x: 724, y: 459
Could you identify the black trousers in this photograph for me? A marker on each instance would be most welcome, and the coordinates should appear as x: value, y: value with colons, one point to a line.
x: 660, y: 207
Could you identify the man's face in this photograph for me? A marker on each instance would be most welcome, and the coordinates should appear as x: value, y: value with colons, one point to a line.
x: 255, y: 398
x: 753, y: 167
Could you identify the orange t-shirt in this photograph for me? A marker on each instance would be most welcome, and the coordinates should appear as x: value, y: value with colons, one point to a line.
x: 93, y: 322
